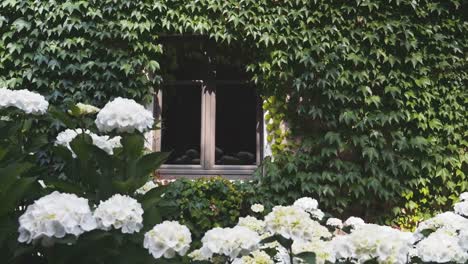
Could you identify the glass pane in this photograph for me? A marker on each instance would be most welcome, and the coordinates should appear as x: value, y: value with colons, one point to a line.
x: 181, y: 124
x: 236, y: 119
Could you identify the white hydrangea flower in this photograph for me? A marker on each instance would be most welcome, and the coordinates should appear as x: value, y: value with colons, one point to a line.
x: 167, y: 239
x: 146, y: 187
x: 105, y: 143
x: 448, y: 221
x: 463, y: 239
x: 197, y: 255
x: 27, y: 101
x: 291, y: 222
x: 440, y: 247
x: 56, y: 215
x: 307, y: 204
x: 257, y: 208
x: 354, y: 222
x: 231, y: 242
x: 252, y: 223
x: 323, y: 249
x: 464, y: 196
x: 369, y: 241
x: 86, y: 109
x: 124, y: 115
x: 256, y: 257
x: 461, y: 208
x: 334, y: 222
x: 120, y: 212
x: 317, y: 214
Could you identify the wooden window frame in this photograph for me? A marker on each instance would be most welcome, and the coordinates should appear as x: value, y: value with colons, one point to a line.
x: 207, y: 165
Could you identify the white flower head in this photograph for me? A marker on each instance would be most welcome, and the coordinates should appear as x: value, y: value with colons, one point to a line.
x: 464, y: 196
x: 461, y: 208
x: 440, y: 247
x: 257, y: 208
x: 307, y: 204
x: 291, y: 222
x: 448, y: 221
x: 334, y: 222
x: 124, y: 115
x: 105, y: 143
x: 354, y: 222
x: 256, y: 257
x: 323, y: 249
x: 231, y: 242
x: 56, y: 215
x: 120, y: 212
x: 27, y: 101
x: 317, y: 214
x: 86, y: 109
x: 168, y: 239
x: 148, y: 186
x: 369, y: 241
x: 252, y: 223
x: 197, y: 255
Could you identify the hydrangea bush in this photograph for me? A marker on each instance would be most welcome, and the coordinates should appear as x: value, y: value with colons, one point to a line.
x: 103, y: 205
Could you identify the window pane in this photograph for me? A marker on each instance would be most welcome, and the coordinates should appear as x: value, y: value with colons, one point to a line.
x: 236, y: 119
x: 181, y: 125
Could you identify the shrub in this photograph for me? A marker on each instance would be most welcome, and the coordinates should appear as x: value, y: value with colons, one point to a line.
x: 206, y: 202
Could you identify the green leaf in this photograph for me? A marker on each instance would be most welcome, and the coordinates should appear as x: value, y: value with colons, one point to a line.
x: 133, y: 145
x: 62, y: 117
x: 10, y: 174
x: 307, y: 257
x: 150, y: 162
x: 11, y: 199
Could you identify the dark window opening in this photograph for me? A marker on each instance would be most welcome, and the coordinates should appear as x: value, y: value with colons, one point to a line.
x: 181, y: 119
x: 210, y: 109
x: 236, y: 121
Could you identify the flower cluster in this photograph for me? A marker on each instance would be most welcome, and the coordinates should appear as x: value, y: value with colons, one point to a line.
x: 334, y: 222
x: 120, y: 212
x: 323, y: 249
x: 369, y: 241
x: 441, y: 247
x: 292, y: 222
x: 310, y: 205
x: 56, y: 215
x: 148, y: 186
x: 105, y: 143
x: 167, y: 239
x: 231, y: 242
x: 124, y: 115
x: 256, y: 257
x: 252, y: 223
x: 353, y: 222
x: 448, y: 229
x: 257, y: 208
x: 29, y: 102
x: 86, y: 109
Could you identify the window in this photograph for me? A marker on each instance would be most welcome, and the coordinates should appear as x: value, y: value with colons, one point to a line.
x: 211, y: 116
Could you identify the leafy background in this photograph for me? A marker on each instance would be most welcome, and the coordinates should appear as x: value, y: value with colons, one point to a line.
x: 374, y: 90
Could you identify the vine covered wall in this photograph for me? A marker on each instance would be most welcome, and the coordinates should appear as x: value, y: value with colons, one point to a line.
x: 374, y: 89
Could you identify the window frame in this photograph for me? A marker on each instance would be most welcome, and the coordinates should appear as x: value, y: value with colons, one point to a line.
x: 207, y: 166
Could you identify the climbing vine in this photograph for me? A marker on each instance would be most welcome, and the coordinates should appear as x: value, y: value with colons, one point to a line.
x: 376, y: 89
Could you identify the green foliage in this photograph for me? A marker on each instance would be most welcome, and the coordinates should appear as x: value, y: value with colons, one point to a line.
x: 76, y: 51
x: 376, y: 89
x: 18, y: 175
x: 206, y: 203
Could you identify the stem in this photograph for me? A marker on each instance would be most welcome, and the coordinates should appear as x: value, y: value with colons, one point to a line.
x: 291, y: 258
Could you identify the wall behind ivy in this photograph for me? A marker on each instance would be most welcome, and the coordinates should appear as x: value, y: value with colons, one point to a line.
x: 375, y: 90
